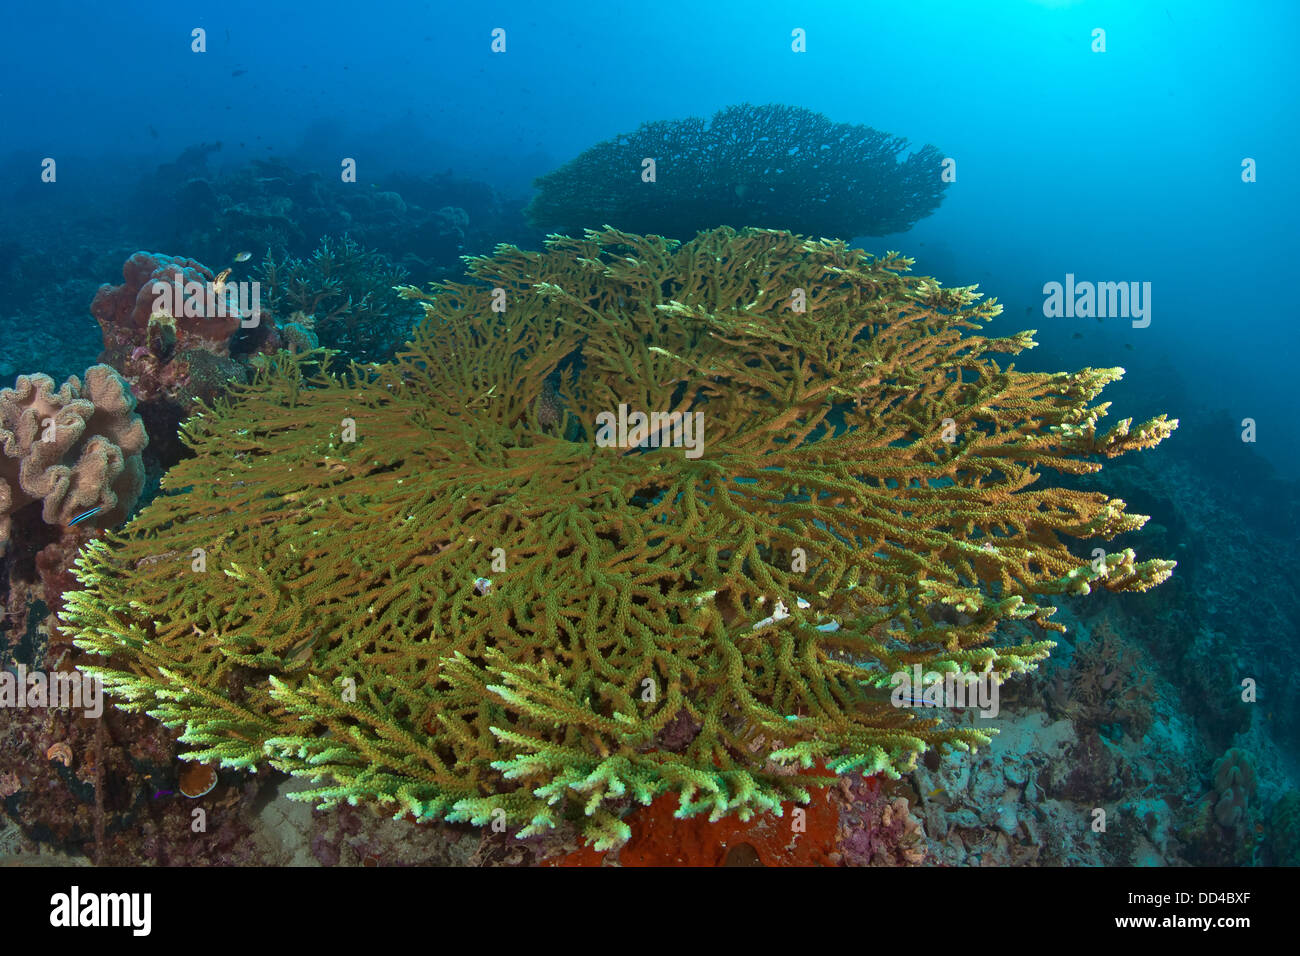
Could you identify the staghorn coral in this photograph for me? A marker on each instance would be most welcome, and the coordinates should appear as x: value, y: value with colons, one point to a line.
x: 343, y: 297
x: 656, y: 624
x: 749, y: 166
x: 73, y: 449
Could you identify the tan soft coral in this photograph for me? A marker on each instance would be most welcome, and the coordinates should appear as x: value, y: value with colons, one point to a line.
x: 73, y: 449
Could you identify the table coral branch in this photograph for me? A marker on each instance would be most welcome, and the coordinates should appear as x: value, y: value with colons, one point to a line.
x: 869, y: 495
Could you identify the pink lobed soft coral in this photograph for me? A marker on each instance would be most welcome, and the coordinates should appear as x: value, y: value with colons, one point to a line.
x: 73, y: 449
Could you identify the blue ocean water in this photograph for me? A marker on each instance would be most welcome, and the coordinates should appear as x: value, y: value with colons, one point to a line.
x: 1120, y: 166
x: 1089, y: 142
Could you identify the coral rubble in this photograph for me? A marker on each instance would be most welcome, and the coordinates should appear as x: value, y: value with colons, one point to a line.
x: 554, y: 628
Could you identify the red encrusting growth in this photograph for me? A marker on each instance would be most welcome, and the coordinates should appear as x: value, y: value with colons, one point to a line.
x: 660, y: 839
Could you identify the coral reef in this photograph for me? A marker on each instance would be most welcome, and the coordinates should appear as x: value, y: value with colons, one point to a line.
x: 559, y: 625
x: 181, y: 341
x: 59, y: 245
x: 299, y: 334
x: 66, y: 453
x: 129, y: 316
x: 994, y: 807
x: 1030, y: 798
x: 749, y: 166
x: 1225, y: 829
x: 73, y: 450
x: 875, y: 828
x: 355, y: 836
x: 115, y: 799
x: 1284, y: 830
x: 343, y: 297
x: 1231, y: 615
x: 1107, y: 686
x: 424, y: 222
x: 1234, y: 788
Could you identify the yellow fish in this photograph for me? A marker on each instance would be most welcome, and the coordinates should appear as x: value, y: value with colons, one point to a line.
x: 220, y: 284
x: 243, y: 257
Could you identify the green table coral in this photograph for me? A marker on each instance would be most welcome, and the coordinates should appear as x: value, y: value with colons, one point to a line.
x: 479, y: 610
x: 748, y: 165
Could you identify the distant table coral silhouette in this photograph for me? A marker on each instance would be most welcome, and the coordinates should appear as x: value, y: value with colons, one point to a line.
x: 772, y: 166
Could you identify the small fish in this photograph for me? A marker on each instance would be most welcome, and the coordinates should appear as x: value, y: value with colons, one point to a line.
x: 1128, y: 346
x: 914, y: 700
x: 86, y: 514
x: 163, y: 793
x: 935, y: 792
x: 1077, y: 335
x: 301, y: 651
x: 243, y: 257
x: 220, y: 283
x: 238, y: 72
